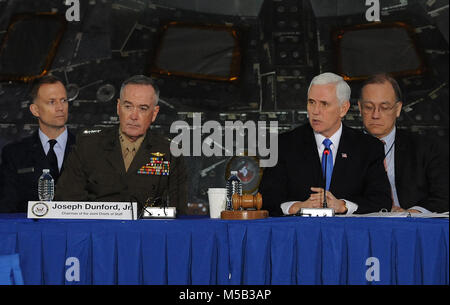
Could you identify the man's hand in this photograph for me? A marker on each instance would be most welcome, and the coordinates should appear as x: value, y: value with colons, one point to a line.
x: 316, y: 201
x: 399, y: 209
x: 332, y: 202
x: 414, y: 211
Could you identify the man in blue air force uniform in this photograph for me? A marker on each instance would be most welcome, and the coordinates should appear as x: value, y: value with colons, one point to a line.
x: 48, y: 147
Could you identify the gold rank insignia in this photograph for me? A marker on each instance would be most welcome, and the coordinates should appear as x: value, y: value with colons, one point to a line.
x: 157, y: 166
x: 158, y: 154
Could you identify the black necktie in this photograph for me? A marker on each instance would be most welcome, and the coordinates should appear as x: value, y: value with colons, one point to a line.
x: 52, y: 160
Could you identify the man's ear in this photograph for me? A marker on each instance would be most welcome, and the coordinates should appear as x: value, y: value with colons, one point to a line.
x: 359, y: 107
x: 34, y: 110
x: 399, y: 108
x: 155, y: 113
x: 344, y: 108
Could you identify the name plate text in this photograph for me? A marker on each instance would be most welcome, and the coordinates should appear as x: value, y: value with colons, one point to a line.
x: 82, y: 210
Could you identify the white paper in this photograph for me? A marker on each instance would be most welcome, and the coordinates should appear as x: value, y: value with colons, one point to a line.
x: 400, y: 214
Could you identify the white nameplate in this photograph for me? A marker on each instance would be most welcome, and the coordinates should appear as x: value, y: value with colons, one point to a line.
x: 316, y: 212
x: 157, y: 212
x: 82, y: 210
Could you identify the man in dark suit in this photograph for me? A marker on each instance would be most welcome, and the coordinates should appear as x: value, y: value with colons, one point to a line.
x: 24, y: 160
x: 417, y: 165
x: 128, y: 162
x: 356, y: 180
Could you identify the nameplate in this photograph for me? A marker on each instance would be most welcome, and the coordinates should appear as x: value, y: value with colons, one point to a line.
x: 316, y: 212
x: 82, y: 210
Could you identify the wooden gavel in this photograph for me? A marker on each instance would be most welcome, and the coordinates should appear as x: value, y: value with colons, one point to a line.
x: 247, y: 201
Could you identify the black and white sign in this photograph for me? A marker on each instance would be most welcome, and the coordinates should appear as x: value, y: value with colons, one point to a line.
x: 82, y: 210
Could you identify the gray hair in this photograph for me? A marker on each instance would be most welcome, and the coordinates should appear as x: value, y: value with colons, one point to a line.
x: 343, y: 90
x: 140, y: 80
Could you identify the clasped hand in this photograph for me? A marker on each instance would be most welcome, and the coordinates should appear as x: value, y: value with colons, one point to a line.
x: 315, y: 200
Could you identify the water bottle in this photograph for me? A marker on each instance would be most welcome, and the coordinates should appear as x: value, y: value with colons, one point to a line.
x: 234, y: 186
x: 46, y: 186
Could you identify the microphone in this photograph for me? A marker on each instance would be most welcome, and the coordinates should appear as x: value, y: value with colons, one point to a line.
x: 324, y: 211
x: 132, y: 197
x: 157, y: 206
x: 326, y: 152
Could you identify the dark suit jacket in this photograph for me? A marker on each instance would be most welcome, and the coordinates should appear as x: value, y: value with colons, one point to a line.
x: 358, y: 172
x: 22, y: 164
x: 95, y: 171
x: 421, y: 172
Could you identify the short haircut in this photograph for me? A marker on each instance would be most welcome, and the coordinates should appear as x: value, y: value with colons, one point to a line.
x: 343, y: 90
x: 48, y: 79
x: 140, y: 80
x: 382, y: 78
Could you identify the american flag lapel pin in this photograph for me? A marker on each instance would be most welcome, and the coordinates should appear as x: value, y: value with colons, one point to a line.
x: 343, y: 155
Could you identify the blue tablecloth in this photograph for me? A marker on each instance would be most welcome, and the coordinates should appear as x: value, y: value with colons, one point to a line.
x: 287, y: 250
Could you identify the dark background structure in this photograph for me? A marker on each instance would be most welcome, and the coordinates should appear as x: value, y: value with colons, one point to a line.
x: 283, y: 44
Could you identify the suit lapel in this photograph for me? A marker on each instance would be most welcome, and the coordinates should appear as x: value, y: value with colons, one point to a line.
x: 69, y: 144
x: 36, y: 151
x: 113, y: 151
x: 311, y: 157
x: 399, y: 154
x: 340, y: 164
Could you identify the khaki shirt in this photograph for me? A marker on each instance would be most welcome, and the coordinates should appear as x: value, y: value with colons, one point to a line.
x: 95, y: 171
x: 129, y: 148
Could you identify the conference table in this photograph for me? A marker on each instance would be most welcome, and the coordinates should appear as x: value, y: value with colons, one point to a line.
x: 204, y: 251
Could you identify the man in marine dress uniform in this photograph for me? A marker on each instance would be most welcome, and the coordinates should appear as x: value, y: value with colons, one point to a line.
x: 128, y: 162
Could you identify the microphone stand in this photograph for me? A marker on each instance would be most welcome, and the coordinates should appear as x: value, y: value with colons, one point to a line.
x: 324, y: 211
x: 326, y: 152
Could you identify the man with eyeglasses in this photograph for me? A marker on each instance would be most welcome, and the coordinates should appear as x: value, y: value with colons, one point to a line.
x: 417, y: 166
x: 326, y: 158
x: 48, y: 147
x: 129, y: 162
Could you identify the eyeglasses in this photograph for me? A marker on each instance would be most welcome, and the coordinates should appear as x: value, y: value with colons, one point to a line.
x: 368, y: 108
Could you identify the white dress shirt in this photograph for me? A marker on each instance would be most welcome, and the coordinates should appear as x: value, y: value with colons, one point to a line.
x: 335, y: 139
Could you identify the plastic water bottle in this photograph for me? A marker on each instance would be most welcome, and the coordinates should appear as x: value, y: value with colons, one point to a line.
x: 234, y: 186
x: 46, y: 186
